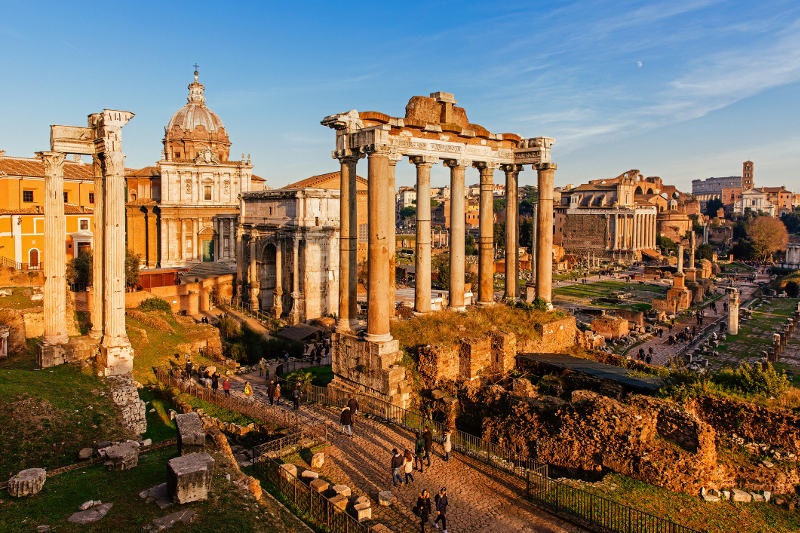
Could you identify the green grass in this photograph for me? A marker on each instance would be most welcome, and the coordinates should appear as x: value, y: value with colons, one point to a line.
x: 755, y: 334
x: 322, y: 375
x: 218, y: 412
x: 19, y: 299
x: 227, y: 509
x: 159, y: 425
x: 46, y: 416
x: 693, y: 512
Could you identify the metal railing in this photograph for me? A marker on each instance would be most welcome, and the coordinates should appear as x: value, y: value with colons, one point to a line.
x: 593, y: 511
x: 5, y: 261
x: 305, y: 502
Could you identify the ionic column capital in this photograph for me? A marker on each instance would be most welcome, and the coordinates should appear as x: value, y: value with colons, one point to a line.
x: 510, y: 168
x: 545, y: 166
x: 394, y: 157
x: 347, y: 156
x: 423, y: 160
x: 376, y: 149
x: 484, y: 166
x: 457, y: 163
x: 53, y: 162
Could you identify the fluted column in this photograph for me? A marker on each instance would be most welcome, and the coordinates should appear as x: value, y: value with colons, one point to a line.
x: 55, y: 230
x: 394, y: 158
x: 378, y: 302
x: 295, y: 312
x: 277, y: 294
x: 457, y: 233
x: 512, y: 242
x: 544, y: 231
x: 240, y: 268
x: 486, y: 236
x: 196, y: 256
x: 422, y: 286
x: 255, y: 286
x: 348, y: 241
x: 98, y: 242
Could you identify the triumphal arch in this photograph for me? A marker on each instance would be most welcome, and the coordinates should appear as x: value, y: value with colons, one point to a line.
x: 433, y: 130
x: 102, y: 139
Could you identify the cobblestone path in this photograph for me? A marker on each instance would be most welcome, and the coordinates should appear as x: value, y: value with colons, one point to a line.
x: 481, y: 499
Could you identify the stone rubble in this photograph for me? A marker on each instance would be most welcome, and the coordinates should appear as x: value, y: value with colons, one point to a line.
x: 27, y: 482
x: 90, y: 515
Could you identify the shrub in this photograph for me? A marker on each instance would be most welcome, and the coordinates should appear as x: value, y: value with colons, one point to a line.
x: 792, y: 289
x: 753, y: 380
x: 155, y: 304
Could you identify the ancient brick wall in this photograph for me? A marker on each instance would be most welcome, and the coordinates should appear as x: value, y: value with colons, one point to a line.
x: 584, y: 233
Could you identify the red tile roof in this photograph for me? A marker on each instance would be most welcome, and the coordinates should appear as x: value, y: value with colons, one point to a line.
x: 30, y: 167
x: 324, y: 181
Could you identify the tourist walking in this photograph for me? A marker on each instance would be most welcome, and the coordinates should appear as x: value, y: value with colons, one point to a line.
x: 346, y: 419
x: 248, y: 390
x: 428, y: 438
x: 441, y: 509
x: 277, y: 394
x: 262, y: 364
x: 397, y: 465
x: 215, y: 382
x: 419, y: 449
x: 353, y: 404
x: 226, y: 386
x: 423, y: 508
x: 296, y: 395
x: 447, y: 446
x: 271, y: 392
x: 408, y: 466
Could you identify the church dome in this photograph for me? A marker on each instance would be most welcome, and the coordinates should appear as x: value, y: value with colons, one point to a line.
x: 195, y: 132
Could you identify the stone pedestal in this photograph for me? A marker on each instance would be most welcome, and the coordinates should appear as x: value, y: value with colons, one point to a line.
x: 27, y: 483
x: 364, y: 365
x: 189, y: 477
x: 733, y: 310
x: 115, y: 357
x: 5, y: 331
x: 122, y: 456
x: 50, y: 355
x: 191, y: 437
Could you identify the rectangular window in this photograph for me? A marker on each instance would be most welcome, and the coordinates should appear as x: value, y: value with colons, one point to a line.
x: 91, y: 197
x: 27, y: 196
x: 207, y: 192
x: 83, y: 224
x: 66, y: 197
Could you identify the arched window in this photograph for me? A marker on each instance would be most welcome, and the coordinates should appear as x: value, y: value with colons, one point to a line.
x: 33, y: 258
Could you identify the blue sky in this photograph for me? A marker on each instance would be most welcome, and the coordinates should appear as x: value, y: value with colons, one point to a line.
x: 679, y: 89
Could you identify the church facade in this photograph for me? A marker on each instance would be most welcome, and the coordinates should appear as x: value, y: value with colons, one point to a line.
x: 184, y: 210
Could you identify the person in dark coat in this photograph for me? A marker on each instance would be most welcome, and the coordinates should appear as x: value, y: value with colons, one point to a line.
x: 419, y: 450
x: 441, y: 509
x: 346, y: 419
x: 423, y: 508
x: 215, y: 382
x: 296, y: 395
x: 271, y: 392
x: 428, y: 438
x: 352, y: 403
x: 397, y: 467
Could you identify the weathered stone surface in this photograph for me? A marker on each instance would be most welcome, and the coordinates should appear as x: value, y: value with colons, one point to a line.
x: 386, y: 498
x: 319, y: 485
x: 363, y: 511
x: 158, y: 494
x: 122, y: 456
x: 767, y: 496
x: 126, y: 396
x: 288, y: 471
x: 317, y: 460
x: 343, y: 490
x: 27, y: 483
x: 360, y: 499
x: 85, y: 453
x: 309, y: 474
x: 339, y: 502
x: 191, y: 436
x: 757, y: 497
x: 93, y: 514
x: 88, y: 504
x: 380, y: 528
x: 185, y: 516
x: 189, y: 477
x: 738, y: 495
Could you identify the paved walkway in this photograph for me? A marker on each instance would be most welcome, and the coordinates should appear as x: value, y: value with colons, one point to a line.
x: 481, y: 499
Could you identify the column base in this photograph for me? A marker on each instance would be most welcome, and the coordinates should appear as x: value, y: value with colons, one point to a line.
x: 485, y: 304
x: 51, y: 355
x: 383, y: 337
x: 115, y: 358
x: 55, y: 340
x: 458, y: 309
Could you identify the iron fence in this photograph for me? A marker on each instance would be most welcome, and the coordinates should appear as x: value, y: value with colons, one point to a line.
x: 305, y: 502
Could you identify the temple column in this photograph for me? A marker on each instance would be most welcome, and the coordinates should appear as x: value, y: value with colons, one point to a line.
x: 277, y: 293
x: 680, y: 259
x: 394, y: 157
x: 98, y: 242
x: 348, y: 242
x: 486, y: 236
x: 457, y: 233
x: 240, y: 281
x: 55, y: 263
x: 733, y: 310
x: 116, y: 352
x: 195, y: 230
x: 544, y: 232
x: 512, y: 243
x: 378, y: 302
x: 252, y: 277
x: 181, y: 241
x: 422, y: 284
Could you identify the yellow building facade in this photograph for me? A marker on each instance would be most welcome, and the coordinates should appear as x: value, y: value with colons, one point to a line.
x: 22, y: 210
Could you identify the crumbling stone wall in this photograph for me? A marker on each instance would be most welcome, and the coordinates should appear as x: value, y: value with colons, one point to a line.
x: 126, y: 396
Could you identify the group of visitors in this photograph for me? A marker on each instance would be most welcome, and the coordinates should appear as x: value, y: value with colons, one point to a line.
x: 347, y: 416
x: 423, y: 509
